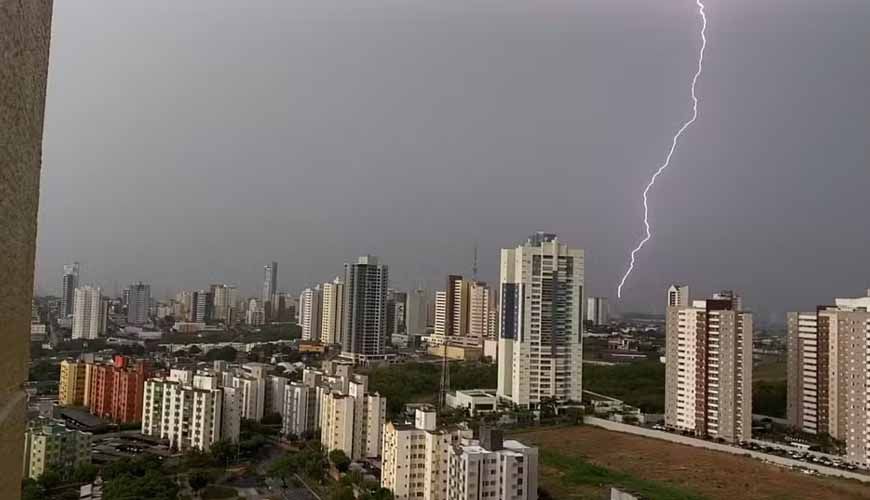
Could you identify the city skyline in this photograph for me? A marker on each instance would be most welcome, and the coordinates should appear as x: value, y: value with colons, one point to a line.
x: 358, y: 145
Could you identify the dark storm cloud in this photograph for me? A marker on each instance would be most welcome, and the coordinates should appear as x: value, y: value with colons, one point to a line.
x: 190, y: 142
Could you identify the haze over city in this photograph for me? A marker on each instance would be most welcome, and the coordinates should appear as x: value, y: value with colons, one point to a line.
x: 192, y: 142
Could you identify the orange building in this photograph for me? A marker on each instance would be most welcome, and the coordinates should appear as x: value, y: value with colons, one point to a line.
x: 115, y: 391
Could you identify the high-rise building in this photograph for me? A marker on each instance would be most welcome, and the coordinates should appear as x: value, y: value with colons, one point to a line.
x: 396, y: 312
x: 270, y: 285
x: 88, y: 311
x: 364, y: 326
x: 597, y: 311
x: 540, y: 351
x: 678, y: 296
x: 68, y: 289
x: 224, y: 299
x: 202, y: 306
x: 462, y: 310
x: 492, y: 468
x: 310, y: 313
x: 300, y: 409
x: 417, y: 312
x: 708, y: 374
x: 255, y: 315
x: 333, y: 312
x: 72, y: 383
x: 829, y: 374
x: 479, y: 306
x: 138, y: 304
x: 49, y: 445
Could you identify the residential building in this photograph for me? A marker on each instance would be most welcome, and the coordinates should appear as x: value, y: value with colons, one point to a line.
x: 332, y: 312
x: 274, y: 400
x: 225, y: 298
x: 256, y: 314
x: 202, y: 306
x: 829, y: 374
x: 415, y: 457
x: 69, y: 284
x: 364, y: 324
x: 72, y: 384
x: 189, y: 417
x: 114, y: 391
x: 479, y: 306
x: 678, y: 296
x: 270, y: 287
x: 540, y: 354
x: 369, y: 415
x: 183, y: 306
x: 310, y: 313
x: 336, y: 422
x: 138, y: 304
x: 395, y: 312
x: 597, y: 311
x: 88, y: 313
x: 300, y: 413
x: 49, y: 445
x: 417, y: 311
x: 708, y: 359
x: 492, y: 468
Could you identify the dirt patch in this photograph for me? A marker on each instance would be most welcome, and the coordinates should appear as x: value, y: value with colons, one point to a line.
x: 706, y: 473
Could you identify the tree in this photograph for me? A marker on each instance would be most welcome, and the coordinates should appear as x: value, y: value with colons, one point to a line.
x: 226, y: 353
x: 32, y: 490
x: 198, y: 480
x: 84, y: 473
x: 342, y: 493
x: 223, y: 451
x: 284, y: 467
x: 49, y: 479
x: 153, y: 485
x: 195, y: 350
x: 340, y: 459
x: 378, y: 494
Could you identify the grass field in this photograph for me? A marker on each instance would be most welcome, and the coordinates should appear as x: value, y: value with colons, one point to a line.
x: 583, y: 462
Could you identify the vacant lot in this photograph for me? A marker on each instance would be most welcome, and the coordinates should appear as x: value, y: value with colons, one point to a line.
x: 581, y: 462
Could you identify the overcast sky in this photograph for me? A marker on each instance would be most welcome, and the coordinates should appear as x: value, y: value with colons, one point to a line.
x: 189, y: 142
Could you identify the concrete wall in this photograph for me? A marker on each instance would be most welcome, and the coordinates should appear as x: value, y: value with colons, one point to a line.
x: 25, y: 30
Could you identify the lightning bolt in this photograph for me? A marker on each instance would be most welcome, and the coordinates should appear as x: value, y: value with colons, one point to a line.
x: 667, y: 162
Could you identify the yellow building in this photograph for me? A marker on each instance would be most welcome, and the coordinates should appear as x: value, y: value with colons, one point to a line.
x: 72, y: 384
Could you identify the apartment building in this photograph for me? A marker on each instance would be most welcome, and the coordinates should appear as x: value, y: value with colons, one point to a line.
x: 88, y: 313
x: 708, y: 376
x: 492, y: 468
x: 540, y: 350
x: 415, y: 458
x: 114, y: 391
x: 188, y: 416
x: 49, y: 445
x: 829, y: 373
x: 72, y: 383
x: 364, y: 329
x: 332, y: 311
x: 336, y: 422
x: 310, y: 313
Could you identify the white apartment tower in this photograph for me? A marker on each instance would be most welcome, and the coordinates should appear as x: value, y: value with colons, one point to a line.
x: 492, y: 468
x: 708, y: 376
x: 597, y: 311
x: 540, y: 351
x: 415, y: 458
x: 336, y: 422
x: 187, y: 416
x: 829, y: 374
x: 333, y: 312
x: 310, y: 313
x: 88, y: 321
